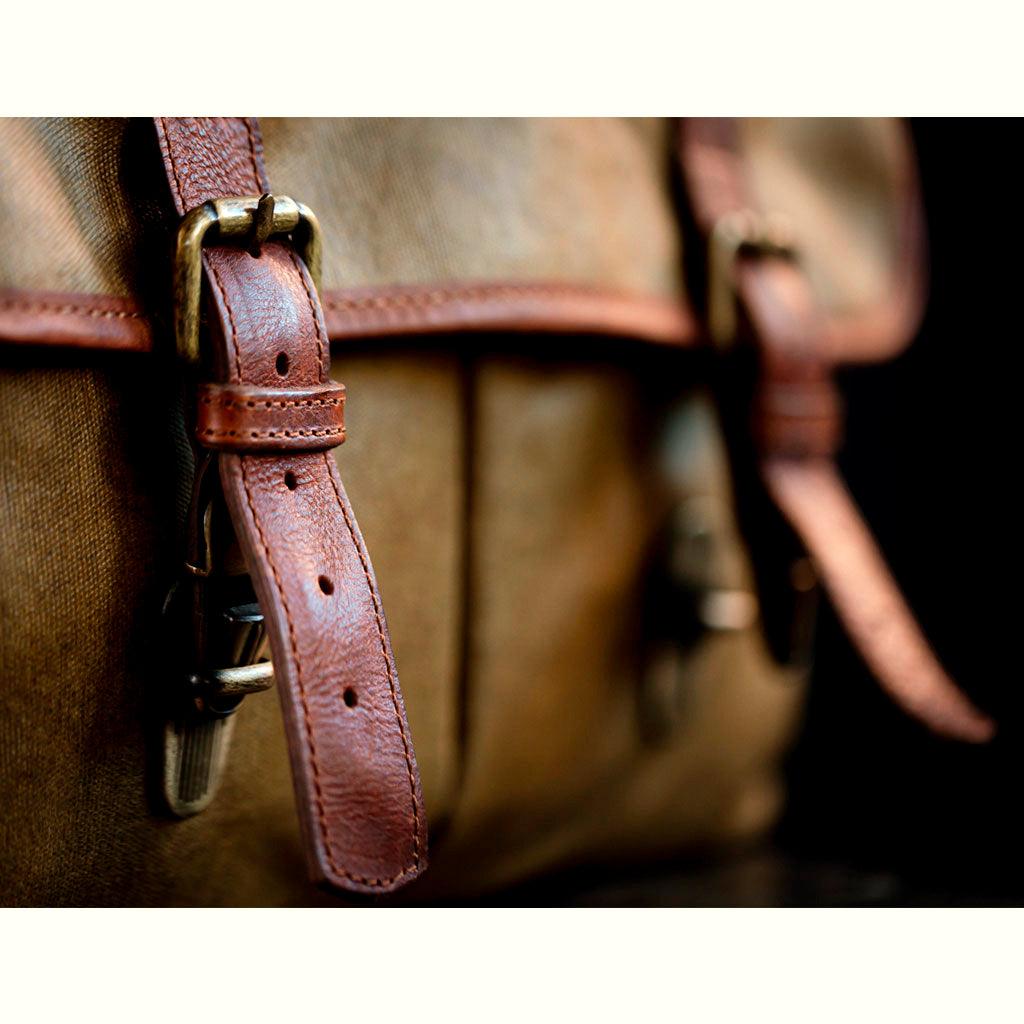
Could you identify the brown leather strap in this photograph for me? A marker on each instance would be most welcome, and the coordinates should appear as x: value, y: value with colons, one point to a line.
x: 813, y: 497
x: 797, y: 425
x: 356, y: 782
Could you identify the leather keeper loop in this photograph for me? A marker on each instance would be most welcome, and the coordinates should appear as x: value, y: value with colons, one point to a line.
x: 234, y: 417
x: 798, y: 419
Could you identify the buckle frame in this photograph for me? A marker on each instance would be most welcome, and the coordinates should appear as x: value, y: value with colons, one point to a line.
x: 249, y: 220
x: 736, y: 233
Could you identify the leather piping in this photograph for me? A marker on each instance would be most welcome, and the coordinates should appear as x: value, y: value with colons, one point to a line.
x: 120, y: 324
x: 548, y: 307
x: 73, y: 320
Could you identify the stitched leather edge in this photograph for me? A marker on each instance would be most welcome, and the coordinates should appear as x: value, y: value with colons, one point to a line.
x: 240, y: 418
x: 357, y: 541
x: 73, y: 320
x: 323, y: 345
x: 108, y: 322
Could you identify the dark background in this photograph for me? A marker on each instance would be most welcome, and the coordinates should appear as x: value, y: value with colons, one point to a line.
x: 927, y: 457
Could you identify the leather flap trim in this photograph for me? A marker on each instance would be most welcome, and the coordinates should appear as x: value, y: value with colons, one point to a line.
x: 77, y: 321
x: 102, y: 322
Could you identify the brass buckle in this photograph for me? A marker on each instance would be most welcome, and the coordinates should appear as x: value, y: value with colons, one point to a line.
x: 734, y: 233
x: 249, y: 220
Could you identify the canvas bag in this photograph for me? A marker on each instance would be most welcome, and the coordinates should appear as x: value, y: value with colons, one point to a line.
x: 543, y: 448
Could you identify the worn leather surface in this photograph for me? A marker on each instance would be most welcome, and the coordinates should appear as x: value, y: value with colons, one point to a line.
x: 237, y: 418
x: 356, y: 782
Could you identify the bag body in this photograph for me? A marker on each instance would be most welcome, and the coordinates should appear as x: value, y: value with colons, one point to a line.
x: 536, y: 453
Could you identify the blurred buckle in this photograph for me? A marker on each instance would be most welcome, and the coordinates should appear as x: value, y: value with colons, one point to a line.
x: 734, y: 234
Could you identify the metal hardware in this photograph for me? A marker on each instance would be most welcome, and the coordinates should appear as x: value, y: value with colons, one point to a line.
x: 249, y: 221
x: 262, y: 222
x: 733, y: 234
x: 195, y: 754
x: 242, y: 679
x: 240, y: 643
x: 224, y: 658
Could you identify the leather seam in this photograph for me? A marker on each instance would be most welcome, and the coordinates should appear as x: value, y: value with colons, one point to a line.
x: 373, y: 596
x: 310, y: 743
x: 250, y: 133
x: 391, y: 677
x: 166, y: 146
x: 325, y: 832
x: 70, y: 309
x: 213, y: 432
x: 312, y: 313
x: 231, y: 318
x: 480, y: 293
x: 290, y: 403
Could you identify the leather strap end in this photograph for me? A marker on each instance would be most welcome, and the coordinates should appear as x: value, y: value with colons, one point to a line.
x: 233, y: 417
x: 812, y: 496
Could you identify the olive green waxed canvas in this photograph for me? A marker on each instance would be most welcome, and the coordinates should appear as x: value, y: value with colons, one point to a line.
x: 67, y: 221
x: 487, y: 676
x: 401, y: 200
x: 418, y: 201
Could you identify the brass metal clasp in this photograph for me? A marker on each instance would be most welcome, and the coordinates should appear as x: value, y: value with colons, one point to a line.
x: 734, y: 233
x: 246, y: 220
